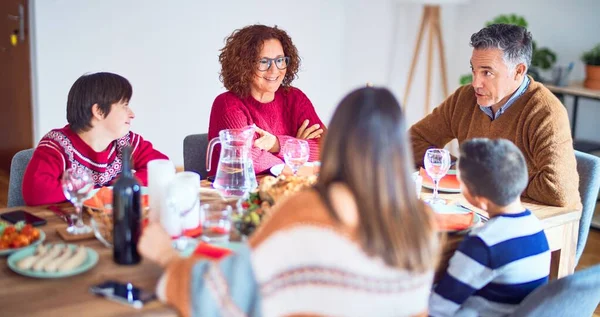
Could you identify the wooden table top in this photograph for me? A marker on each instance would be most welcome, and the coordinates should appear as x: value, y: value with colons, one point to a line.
x: 25, y: 296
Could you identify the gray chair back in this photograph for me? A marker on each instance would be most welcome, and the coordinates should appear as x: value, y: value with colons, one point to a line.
x: 17, y: 169
x: 194, y: 153
x: 588, y: 167
x: 574, y: 295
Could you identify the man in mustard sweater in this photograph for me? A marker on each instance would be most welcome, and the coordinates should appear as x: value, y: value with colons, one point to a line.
x: 503, y: 102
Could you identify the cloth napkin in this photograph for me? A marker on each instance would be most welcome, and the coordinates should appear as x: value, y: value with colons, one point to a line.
x: 192, y: 233
x: 452, y: 217
x: 450, y: 181
x: 211, y: 251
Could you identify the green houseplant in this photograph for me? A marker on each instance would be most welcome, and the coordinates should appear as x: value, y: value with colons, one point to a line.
x: 542, y: 58
x: 591, y: 59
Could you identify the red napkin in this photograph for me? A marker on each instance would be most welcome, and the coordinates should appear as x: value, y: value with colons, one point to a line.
x: 211, y: 251
x: 453, y: 222
x: 193, y: 233
x: 449, y: 181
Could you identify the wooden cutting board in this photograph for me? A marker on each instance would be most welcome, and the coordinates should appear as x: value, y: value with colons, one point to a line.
x: 63, y: 234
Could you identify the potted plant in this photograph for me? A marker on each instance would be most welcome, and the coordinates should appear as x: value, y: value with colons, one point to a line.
x: 591, y: 59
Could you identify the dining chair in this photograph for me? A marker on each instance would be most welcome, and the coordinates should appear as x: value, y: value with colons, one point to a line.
x: 195, y: 147
x: 575, y: 295
x: 17, y: 168
x: 588, y: 167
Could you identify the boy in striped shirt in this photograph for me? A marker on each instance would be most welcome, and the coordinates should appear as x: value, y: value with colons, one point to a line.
x: 500, y: 263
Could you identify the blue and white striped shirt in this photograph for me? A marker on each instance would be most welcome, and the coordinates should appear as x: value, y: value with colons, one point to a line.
x: 494, y: 268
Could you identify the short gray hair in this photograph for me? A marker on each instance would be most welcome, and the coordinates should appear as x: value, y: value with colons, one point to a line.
x: 493, y: 169
x: 515, y: 41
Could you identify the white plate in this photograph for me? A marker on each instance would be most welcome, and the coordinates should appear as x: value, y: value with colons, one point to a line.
x: 277, y: 169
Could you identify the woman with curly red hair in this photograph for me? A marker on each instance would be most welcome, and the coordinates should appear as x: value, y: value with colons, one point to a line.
x: 258, y: 65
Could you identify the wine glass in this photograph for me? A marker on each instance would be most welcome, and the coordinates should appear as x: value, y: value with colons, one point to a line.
x: 295, y: 153
x: 77, y: 185
x: 437, y: 164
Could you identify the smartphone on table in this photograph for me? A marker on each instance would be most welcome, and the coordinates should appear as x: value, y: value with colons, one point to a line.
x: 124, y: 293
x: 22, y: 215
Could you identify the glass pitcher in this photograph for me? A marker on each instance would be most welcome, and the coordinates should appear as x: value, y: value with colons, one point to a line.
x: 235, y: 174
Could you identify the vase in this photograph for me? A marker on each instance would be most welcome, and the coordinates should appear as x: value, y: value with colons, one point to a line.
x: 592, y: 77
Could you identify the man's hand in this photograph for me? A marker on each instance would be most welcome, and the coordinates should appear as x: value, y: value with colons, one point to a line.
x: 306, y: 132
x: 266, y: 141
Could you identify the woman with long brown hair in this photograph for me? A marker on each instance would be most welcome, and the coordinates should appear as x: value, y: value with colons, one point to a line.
x: 258, y: 65
x: 359, y: 244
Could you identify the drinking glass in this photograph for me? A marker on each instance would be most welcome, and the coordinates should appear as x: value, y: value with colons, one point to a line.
x: 437, y: 164
x: 182, y: 208
x: 216, y: 222
x: 77, y: 185
x: 295, y: 153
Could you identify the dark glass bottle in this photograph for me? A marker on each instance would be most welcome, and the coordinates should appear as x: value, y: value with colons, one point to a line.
x: 127, y: 211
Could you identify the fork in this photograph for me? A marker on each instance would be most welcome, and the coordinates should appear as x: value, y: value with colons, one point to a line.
x: 58, y: 211
x: 483, y: 217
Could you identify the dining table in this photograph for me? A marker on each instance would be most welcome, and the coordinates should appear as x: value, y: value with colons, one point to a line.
x: 26, y: 296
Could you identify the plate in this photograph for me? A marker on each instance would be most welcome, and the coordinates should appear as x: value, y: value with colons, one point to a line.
x: 457, y: 210
x: 90, y: 261
x: 476, y: 221
x: 448, y: 183
x: 89, y: 203
x: 306, y: 170
x: 38, y: 241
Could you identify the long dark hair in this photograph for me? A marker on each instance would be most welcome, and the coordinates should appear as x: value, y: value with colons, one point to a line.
x: 367, y: 149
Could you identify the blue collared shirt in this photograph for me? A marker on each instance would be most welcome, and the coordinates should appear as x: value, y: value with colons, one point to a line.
x: 517, y: 94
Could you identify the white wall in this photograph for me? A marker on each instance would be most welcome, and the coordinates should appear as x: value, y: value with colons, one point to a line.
x: 375, y: 53
x: 566, y: 27
x: 170, y: 51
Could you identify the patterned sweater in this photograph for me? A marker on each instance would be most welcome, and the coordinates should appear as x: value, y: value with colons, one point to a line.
x: 281, y: 117
x: 300, y: 263
x: 494, y: 268
x: 62, y: 148
x: 536, y: 122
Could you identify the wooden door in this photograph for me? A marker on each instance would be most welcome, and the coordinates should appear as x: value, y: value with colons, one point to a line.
x: 16, y: 117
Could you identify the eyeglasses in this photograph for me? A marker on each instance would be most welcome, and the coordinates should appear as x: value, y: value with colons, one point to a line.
x: 280, y: 62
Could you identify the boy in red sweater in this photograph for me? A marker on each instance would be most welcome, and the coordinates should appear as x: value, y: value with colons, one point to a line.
x: 99, y: 119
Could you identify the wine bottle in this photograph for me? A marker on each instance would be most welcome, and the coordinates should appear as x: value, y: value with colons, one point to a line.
x: 127, y: 207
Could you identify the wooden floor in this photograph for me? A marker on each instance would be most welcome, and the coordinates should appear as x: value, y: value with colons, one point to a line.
x: 591, y: 254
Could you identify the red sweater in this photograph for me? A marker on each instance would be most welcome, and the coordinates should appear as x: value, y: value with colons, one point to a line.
x: 62, y: 148
x: 281, y: 117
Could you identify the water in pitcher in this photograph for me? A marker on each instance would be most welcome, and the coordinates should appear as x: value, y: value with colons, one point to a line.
x: 235, y: 176
x: 235, y: 173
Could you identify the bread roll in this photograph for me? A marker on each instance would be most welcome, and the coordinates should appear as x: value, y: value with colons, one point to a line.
x: 52, y: 266
x: 51, y: 254
x: 27, y: 262
x: 74, y: 261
